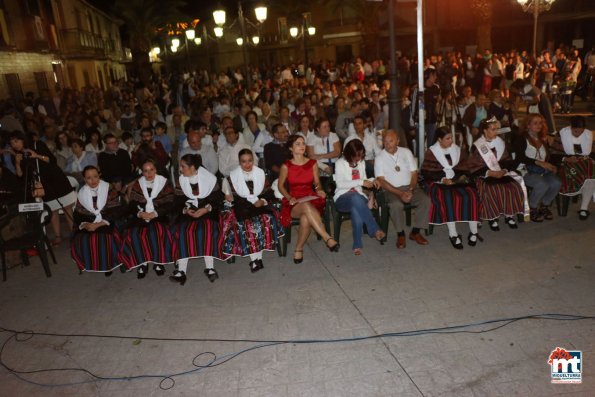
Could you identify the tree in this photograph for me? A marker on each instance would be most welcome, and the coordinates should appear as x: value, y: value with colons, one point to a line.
x: 483, y: 11
x: 141, y: 19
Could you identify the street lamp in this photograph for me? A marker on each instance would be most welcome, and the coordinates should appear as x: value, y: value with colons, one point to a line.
x: 219, y: 17
x: 536, y: 7
x: 305, y: 32
x: 175, y: 42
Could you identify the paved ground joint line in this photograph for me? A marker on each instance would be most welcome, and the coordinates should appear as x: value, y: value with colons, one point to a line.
x: 351, y: 301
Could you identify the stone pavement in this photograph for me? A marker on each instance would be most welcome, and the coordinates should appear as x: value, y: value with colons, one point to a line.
x: 539, y: 268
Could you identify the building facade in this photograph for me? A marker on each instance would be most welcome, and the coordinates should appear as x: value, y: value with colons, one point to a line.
x: 50, y: 44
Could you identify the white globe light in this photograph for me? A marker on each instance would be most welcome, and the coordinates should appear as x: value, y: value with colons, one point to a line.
x: 261, y: 14
x: 219, y: 17
x: 293, y: 31
x: 174, y: 48
x: 190, y: 34
x: 311, y: 30
x: 256, y: 40
x: 198, y: 41
x: 175, y: 42
x: 240, y: 41
x: 218, y: 31
x: 156, y: 50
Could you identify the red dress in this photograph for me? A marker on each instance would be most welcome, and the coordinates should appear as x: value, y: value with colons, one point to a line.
x: 300, y: 183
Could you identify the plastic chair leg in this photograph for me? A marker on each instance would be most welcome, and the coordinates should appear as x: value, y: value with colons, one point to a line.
x: 337, y: 220
x: 564, y: 206
x: 44, y: 258
x: 50, y: 249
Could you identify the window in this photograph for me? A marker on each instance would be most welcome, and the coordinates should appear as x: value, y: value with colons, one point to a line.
x: 41, y: 79
x: 14, y: 85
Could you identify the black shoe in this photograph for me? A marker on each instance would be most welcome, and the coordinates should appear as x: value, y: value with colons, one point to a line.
x: 178, y: 277
x: 298, y: 260
x: 511, y: 223
x: 259, y: 263
x: 334, y: 248
x: 107, y: 274
x: 458, y: 245
x: 474, y: 243
x: 211, y: 275
x: 254, y: 266
x: 142, y: 272
x: 494, y: 225
x: 546, y: 212
x: 535, y: 215
x: 583, y: 215
x: 159, y: 269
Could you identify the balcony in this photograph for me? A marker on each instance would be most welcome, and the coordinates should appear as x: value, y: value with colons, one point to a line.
x: 77, y: 43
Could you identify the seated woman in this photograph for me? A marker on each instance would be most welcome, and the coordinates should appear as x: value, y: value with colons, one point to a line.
x: 96, y: 242
x: 454, y: 199
x: 578, y: 165
x: 500, y: 192
x: 147, y: 238
x: 303, y: 197
x: 531, y: 149
x: 324, y: 147
x: 252, y: 226
x: 197, y: 231
x: 350, y: 178
x: 79, y: 159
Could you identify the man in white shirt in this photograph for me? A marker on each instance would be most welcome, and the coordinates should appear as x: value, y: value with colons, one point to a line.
x: 396, y: 170
x: 369, y: 141
x: 228, y: 155
x: 207, y: 153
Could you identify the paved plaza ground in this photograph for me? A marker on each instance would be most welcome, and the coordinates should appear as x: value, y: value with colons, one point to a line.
x: 540, y: 268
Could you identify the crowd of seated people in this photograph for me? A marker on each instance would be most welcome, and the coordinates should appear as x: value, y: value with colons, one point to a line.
x: 157, y: 181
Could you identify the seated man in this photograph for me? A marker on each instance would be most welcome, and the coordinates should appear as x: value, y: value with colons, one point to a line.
x: 207, y: 153
x: 396, y: 170
x: 149, y: 148
x: 228, y: 155
x: 115, y: 164
x: 275, y: 153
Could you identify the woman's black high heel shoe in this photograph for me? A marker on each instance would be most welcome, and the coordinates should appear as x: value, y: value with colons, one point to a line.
x: 178, y: 277
x: 334, y: 248
x: 107, y: 274
x: 298, y: 260
x: 159, y: 269
x: 142, y: 272
x: 211, y: 274
x: 254, y: 266
x: 474, y: 243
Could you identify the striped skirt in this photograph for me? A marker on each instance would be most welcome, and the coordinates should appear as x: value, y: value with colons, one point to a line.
x: 96, y: 251
x: 197, y: 238
x: 499, y: 197
x: 142, y: 244
x: 453, y: 203
x: 252, y: 235
x: 574, y: 175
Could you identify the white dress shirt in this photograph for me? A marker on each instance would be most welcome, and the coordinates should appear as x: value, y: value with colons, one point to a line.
x: 228, y: 157
x: 370, y: 144
x: 386, y: 165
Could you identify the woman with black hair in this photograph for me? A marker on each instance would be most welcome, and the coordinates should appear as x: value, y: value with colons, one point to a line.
x: 94, y: 143
x: 36, y: 166
x: 96, y: 241
x: 454, y: 198
x: 147, y: 238
x: 350, y: 178
x: 252, y: 226
x: 197, y: 231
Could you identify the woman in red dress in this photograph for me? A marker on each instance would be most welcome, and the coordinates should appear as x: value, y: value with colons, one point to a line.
x: 303, y: 197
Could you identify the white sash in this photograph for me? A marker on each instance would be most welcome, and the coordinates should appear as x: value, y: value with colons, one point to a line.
x: 206, y: 182
x: 485, y: 150
x: 158, y: 185
x: 86, y: 199
x: 491, y: 160
x: 569, y: 140
x: 440, y: 153
x: 240, y: 186
x: 76, y: 162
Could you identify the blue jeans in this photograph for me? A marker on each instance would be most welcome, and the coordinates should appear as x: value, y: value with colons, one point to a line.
x: 545, y: 188
x: 357, y: 206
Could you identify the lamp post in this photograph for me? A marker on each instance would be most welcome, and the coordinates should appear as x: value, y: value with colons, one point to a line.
x: 536, y: 7
x: 190, y: 34
x: 219, y: 17
x: 306, y: 31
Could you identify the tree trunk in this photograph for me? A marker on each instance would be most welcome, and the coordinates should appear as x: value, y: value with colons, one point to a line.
x: 142, y: 65
x: 484, y: 36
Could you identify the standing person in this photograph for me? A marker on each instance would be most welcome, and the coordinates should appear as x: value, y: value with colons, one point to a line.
x: 500, y: 192
x: 578, y: 165
x: 351, y: 178
x: 147, y: 238
x: 36, y: 166
x: 396, y: 170
x: 252, y: 226
x: 454, y: 199
x: 531, y: 148
x: 96, y: 241
x: 197, y: 232
x: 297, y: 178
x: 431, y: 97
